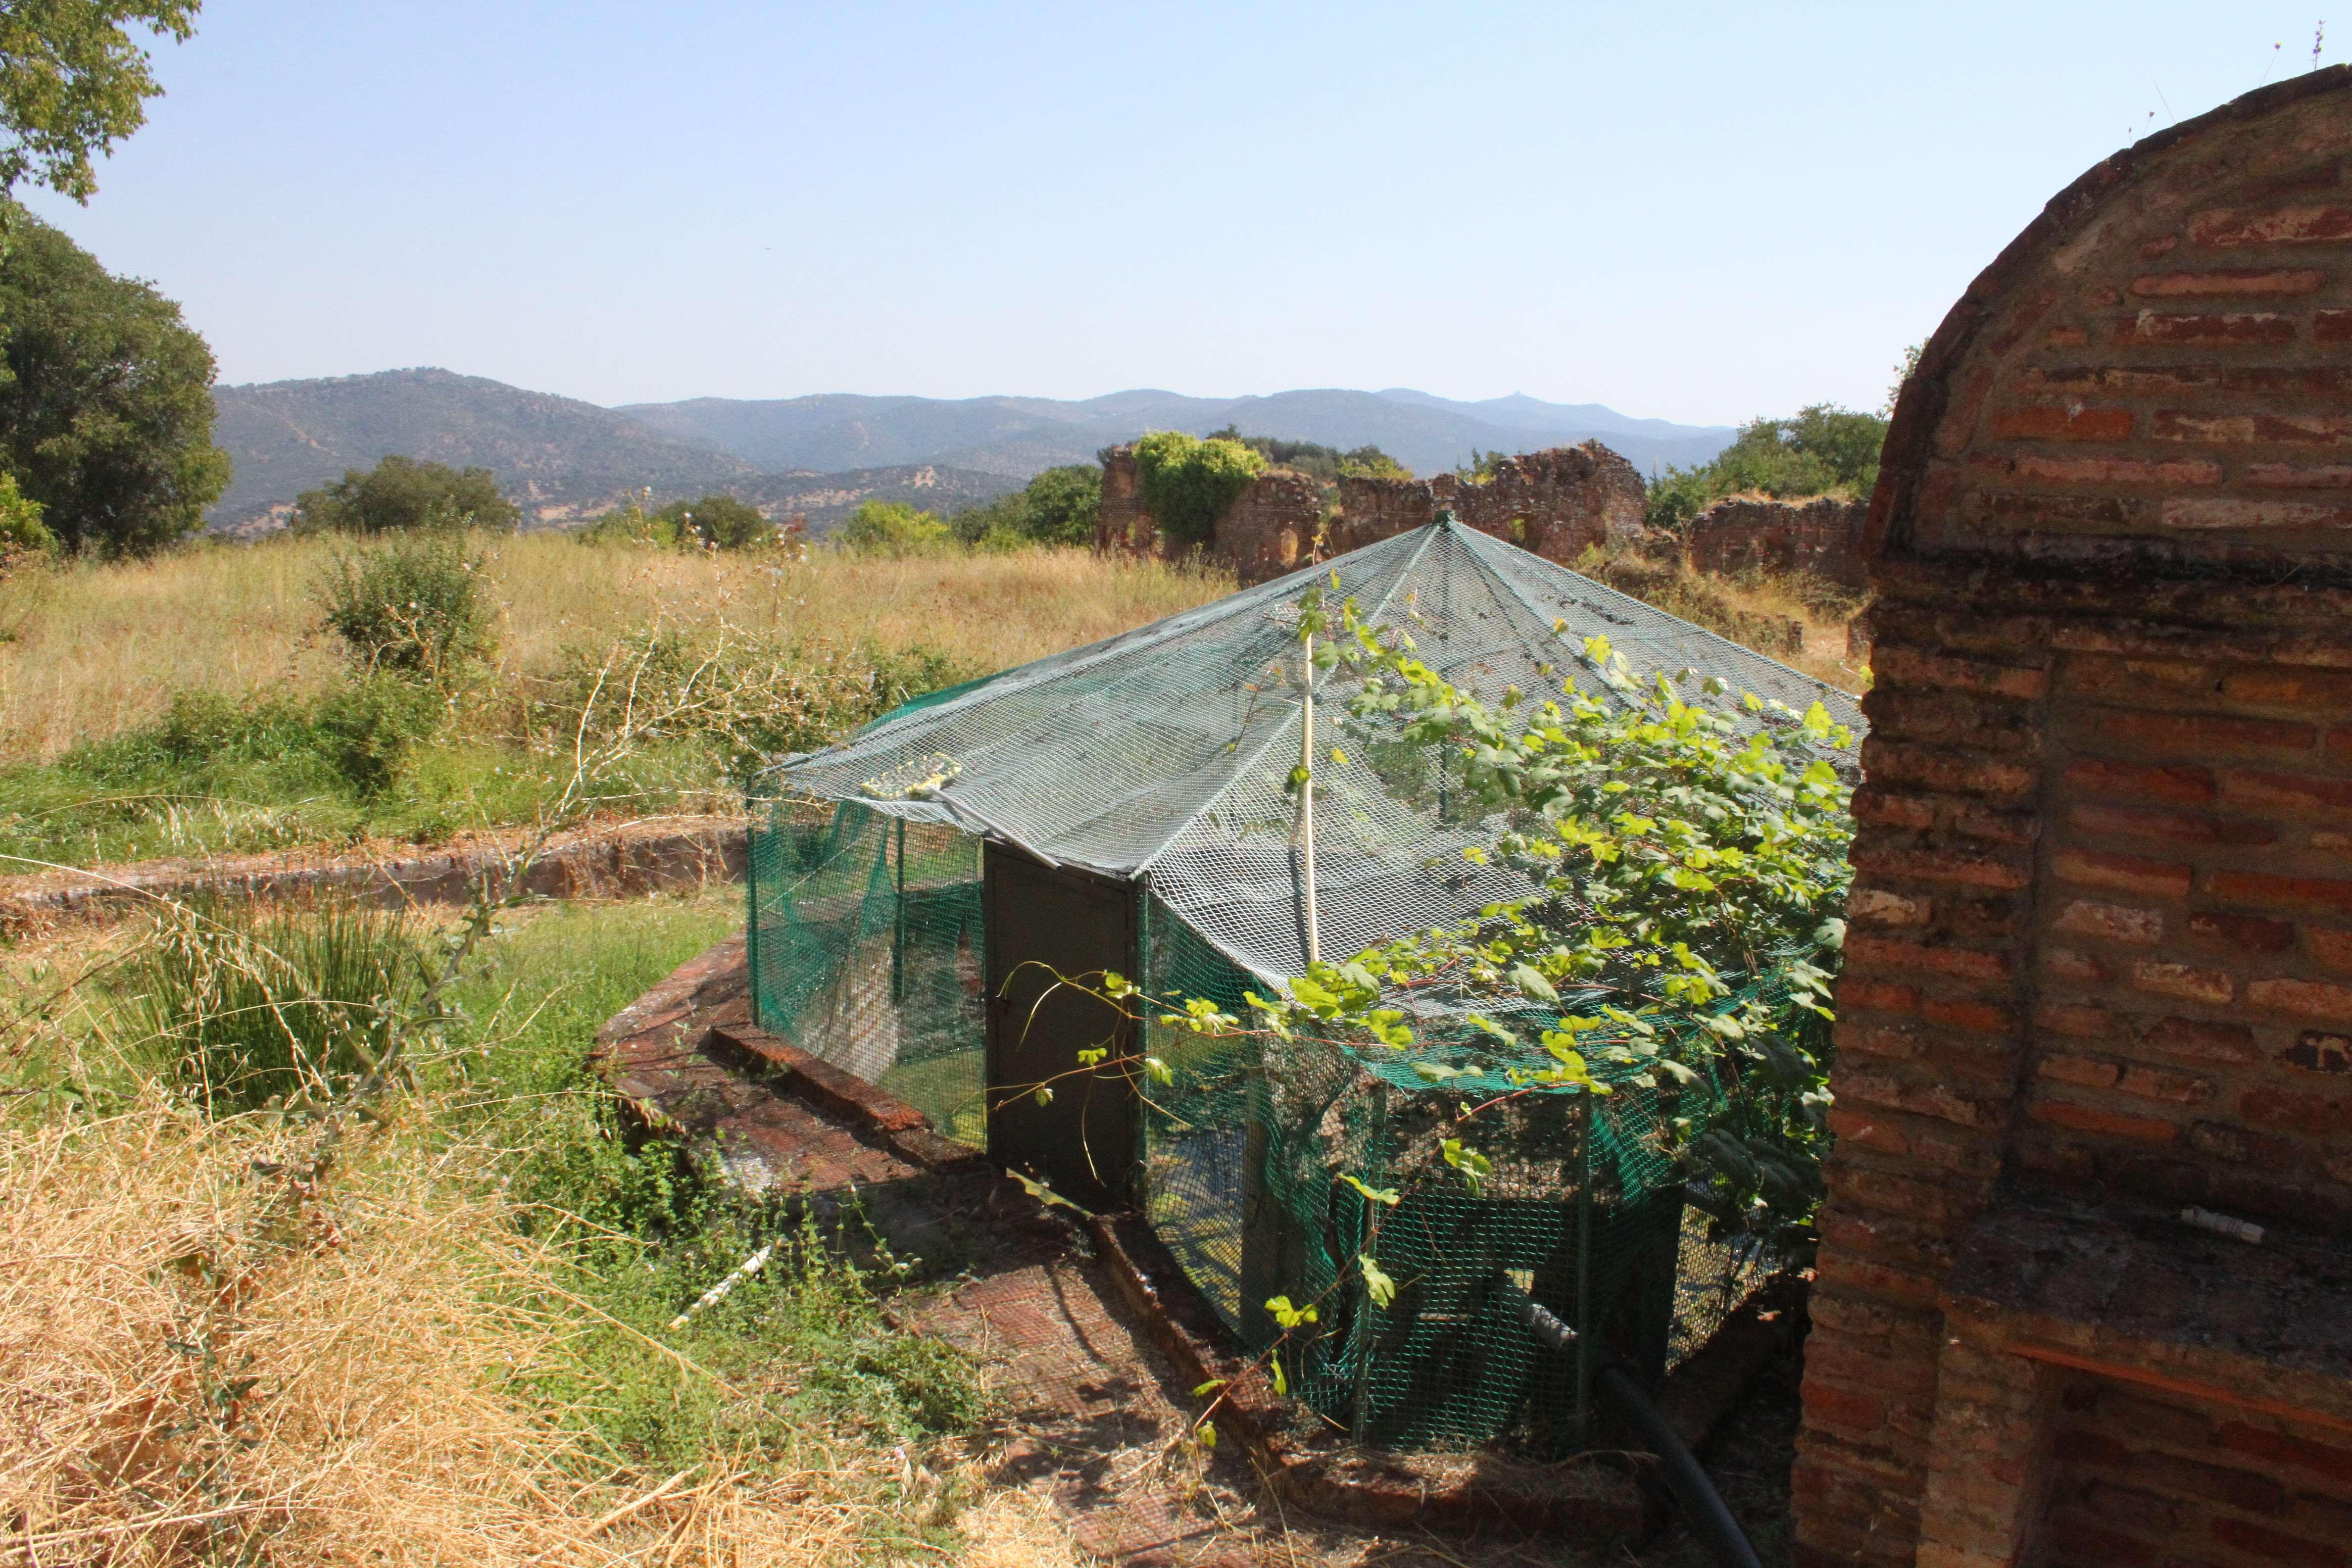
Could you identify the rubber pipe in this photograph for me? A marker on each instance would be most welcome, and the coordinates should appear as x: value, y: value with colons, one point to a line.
x: 1709, y: 1517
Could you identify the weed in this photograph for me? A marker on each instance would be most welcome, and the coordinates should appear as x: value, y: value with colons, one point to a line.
x: 413, y: 607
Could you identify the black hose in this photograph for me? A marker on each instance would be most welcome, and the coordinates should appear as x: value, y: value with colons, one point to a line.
x: 1710, y: 1518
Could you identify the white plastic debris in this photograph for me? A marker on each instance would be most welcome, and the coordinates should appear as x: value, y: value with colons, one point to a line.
x: 2222, y: 1224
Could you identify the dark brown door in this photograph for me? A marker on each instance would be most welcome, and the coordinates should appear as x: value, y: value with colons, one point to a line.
x: 1043, y: 923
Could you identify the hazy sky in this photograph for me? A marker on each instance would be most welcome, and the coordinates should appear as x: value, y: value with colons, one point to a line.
x: 1697, y: 212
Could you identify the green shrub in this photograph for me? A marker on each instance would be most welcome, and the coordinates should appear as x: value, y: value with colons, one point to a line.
x: 1188, y: 483
x: 721, y: 522
x: 401, y: 494
x: 366, y: 730
x: 22, y: 532
x: 893, y: 527
x: 244, y: 1005
x: 413, y: 607
x: 1058, y: 507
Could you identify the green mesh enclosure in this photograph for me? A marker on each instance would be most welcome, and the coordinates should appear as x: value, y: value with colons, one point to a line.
x: 1158, y: 759
x: 866, y: 950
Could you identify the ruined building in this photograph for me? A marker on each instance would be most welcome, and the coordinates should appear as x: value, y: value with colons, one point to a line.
x: 2095, y: 1031
x: 1557, y: 503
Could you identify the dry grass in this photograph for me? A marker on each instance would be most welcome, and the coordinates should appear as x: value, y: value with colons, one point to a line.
x: 98, y: 649
x: 201, y: 1360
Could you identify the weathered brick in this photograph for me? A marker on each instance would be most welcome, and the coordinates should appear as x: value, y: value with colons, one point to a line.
x: 2164, y: 823
x: 2123, y: 873
x: 2250, y: 933
x: 2196, y: 1039
x: 2185, y: 981
x: 2090, y: 1072
x: 1899, y: 957
x: 2173, y: 784
x: 2066, y: 964
x: 2229, y: 281
x: 2321, y: 895
x: 2110, y: 1123
x: 2087, y: 1540
x: 2285, y: 792
x: 2330, y: 946
x: 2313, y: 1115
x: 2074, y: 1020
x: 1861, y: 992
x: 2298, y: 475
x: 2064, y: 421
x: 2281, y: 1450
x: 2313, y: 430
x: 2087, y: 471
x: 2316, y: 225
x: 2142, y: 1510
x: 2204, y: 733
x: 2304, y: 998
x: 1968, y: 1012
x: 2321, y: 691
x: 2116, y: 922
x: 1987, y: 868
x: 2259, y: 516
x: 2204, y: 327
x: 2173, y: 1088
x: 1887, y: 760
x: 1915, y: 666
x: 1867, y: 905
x: 2228, y: 1141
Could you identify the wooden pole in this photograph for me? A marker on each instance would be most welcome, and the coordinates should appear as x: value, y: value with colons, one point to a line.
x: 1306, y: 799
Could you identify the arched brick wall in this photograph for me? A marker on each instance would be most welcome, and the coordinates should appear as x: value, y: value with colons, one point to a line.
x: 2100, y: 961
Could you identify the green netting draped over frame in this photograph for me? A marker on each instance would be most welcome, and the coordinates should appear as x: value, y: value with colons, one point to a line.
x: 1158, y: 759
x: 866, y: 950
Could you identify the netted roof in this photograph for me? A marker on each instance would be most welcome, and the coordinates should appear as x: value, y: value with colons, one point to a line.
x: 1164, y: 752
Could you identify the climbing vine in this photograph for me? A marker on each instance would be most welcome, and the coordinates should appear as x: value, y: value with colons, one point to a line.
x: 1187, y: 483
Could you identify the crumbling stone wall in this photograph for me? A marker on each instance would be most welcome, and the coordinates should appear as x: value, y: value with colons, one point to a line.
x: 2099, y: 968
x: 1822, y: 538
x: 1557, y: 503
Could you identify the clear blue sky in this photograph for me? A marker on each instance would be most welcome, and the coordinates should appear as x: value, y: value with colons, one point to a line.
x: 1697, y: 212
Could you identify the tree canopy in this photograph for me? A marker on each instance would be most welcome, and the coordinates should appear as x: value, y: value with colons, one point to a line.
x: 893, y: 527
x: 73, y: 83
x: 1316, y: 462
x: 106, y: 411
x: 720, y: 520
x: 1821, y: 450
x: 402, y: 493
x: 1058, y: 507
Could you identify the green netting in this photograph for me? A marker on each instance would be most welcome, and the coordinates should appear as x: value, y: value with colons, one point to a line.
x: 866, y: 950
x: 1159, y: 759
x: 1247, y: 1156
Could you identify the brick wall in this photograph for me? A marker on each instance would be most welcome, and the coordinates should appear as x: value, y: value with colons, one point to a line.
x: 2101, y: 935
x: 1557, y: 503
x: 1822, y: 538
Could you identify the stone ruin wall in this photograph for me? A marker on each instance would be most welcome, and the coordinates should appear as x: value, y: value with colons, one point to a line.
x: 1820, y: 538
x: 2099, y: 967
x: 1557, y: 503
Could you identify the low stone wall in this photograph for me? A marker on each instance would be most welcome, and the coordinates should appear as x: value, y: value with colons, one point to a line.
x: 625, y: 861
x: 1557, y: 503
x: 1822, y: 538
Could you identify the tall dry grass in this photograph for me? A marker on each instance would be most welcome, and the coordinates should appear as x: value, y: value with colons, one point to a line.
x: 99, y: 648
x: 203, y: 1360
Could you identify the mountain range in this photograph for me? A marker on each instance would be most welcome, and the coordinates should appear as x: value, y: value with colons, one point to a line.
x: 564, y: 459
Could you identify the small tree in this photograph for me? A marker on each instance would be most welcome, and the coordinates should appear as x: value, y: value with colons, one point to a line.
x: 1821, y: 450
x: 893, y: 527
x: 718, y: 521
x: 400, y: 494
x: 22, y: 532
x: 412, y: 607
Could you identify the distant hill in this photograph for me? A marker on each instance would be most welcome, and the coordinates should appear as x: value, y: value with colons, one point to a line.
x: 1019, y: 435
x: 563, y: 460
x: 560, y: 458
